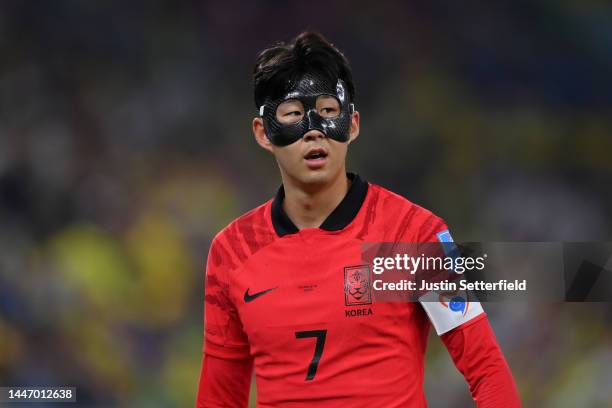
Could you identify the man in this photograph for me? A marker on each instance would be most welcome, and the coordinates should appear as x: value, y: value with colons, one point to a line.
x: 285, y: 282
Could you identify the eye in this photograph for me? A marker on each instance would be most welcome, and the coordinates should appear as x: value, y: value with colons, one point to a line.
x: 329, y: 110
x: 328, y: 106
x: 290, y: 111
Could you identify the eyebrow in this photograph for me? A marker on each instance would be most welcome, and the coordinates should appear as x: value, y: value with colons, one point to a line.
x: 327, y: 98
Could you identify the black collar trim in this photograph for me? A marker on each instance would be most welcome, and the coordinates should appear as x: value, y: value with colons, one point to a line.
x: 342, y: 215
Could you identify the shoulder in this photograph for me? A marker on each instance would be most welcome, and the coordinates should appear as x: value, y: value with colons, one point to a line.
x: 243, y: 237
x: 411, y: 221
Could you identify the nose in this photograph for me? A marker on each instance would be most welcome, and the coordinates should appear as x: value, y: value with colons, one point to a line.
x: 313, y: 134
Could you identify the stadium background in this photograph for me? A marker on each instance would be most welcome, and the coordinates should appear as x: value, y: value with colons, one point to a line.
x: 125, y: 145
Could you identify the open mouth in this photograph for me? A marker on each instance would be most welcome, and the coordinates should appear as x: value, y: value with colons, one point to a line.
x: 316, y: 154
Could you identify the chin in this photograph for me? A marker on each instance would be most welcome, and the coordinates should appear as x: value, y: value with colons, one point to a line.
x: 314, y: 177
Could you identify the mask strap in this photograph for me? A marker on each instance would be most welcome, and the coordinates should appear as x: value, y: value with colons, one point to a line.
x: 261, y: 110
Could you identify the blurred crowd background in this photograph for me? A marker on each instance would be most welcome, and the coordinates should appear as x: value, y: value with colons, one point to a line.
x: 125, y: 145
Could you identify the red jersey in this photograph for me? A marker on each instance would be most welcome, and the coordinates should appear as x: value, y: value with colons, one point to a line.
x: 280, y: 298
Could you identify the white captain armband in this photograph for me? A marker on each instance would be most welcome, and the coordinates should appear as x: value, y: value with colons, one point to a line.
x: 447, y: 310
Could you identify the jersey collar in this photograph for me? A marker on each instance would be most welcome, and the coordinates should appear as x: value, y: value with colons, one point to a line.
x: 342, y: 215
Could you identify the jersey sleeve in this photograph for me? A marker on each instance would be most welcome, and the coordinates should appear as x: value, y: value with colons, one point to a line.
x: 464, y: 329
x: 224, y: 383
x: 223, y: 331
x: 446, y: 310
x: 227, y: 367
x: 478, y: 357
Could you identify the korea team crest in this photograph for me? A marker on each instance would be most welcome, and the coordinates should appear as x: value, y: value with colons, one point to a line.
x: 357, y: 285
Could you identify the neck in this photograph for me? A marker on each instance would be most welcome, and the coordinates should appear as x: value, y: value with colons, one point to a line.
x: 308, y: 206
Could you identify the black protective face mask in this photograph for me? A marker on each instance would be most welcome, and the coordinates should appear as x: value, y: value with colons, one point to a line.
x: 307, y: 90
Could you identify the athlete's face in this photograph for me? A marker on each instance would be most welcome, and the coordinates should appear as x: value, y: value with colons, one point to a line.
x: 314, y: 158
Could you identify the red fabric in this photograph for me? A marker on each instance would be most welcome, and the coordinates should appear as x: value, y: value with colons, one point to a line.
x: 477, y: 356
x: 304, y: 277
x: 224, y: 383
x: 269, y: 299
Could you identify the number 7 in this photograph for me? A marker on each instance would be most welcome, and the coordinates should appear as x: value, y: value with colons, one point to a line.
x: 320, y: 336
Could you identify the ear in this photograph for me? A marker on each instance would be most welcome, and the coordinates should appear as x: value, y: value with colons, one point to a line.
x: 260, y: 134
x: 354, y: 130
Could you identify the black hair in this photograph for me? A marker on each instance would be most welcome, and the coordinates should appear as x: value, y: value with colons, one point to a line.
x: 310, y: 52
